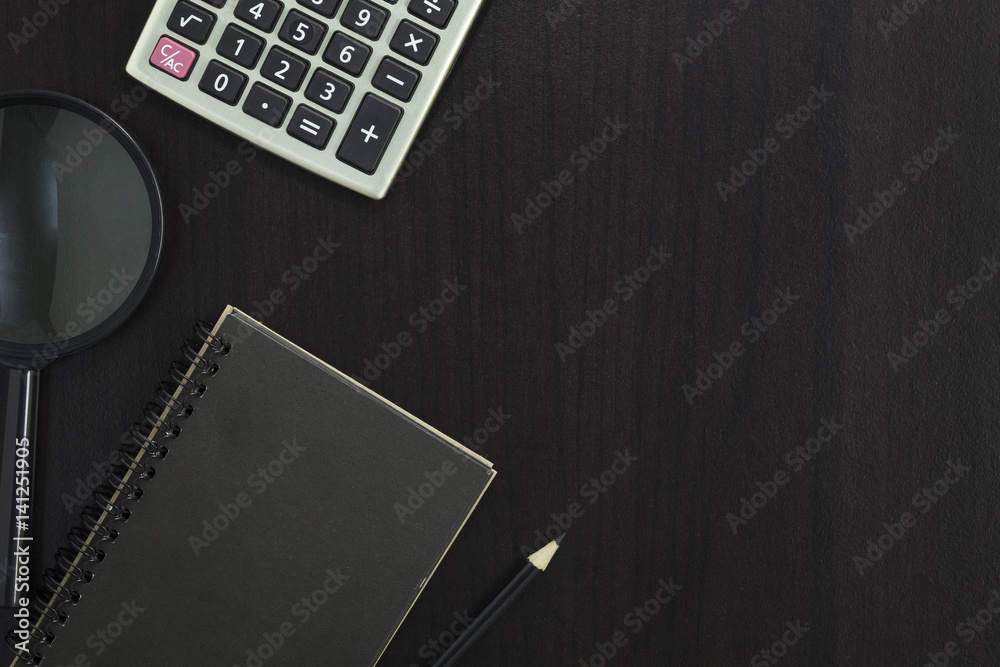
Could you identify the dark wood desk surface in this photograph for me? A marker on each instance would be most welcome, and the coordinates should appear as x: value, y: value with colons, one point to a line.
x: 779, y: 318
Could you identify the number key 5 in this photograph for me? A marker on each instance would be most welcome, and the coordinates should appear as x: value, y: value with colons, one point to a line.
x: 301, y: 31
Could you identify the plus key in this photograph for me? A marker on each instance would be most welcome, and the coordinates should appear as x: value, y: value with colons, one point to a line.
x: 369, y: 134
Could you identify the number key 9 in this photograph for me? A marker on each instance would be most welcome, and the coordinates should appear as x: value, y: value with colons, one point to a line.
x: 364, y: 19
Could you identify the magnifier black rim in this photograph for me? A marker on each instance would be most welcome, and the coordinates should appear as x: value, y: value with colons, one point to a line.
x: 25, y: 356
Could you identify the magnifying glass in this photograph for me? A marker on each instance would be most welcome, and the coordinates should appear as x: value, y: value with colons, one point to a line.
x: 81, y: 227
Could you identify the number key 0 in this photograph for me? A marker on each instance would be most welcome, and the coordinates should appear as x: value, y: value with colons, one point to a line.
x: 364, y: 19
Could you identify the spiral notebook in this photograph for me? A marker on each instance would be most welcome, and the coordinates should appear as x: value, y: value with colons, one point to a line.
x: 293, y: 519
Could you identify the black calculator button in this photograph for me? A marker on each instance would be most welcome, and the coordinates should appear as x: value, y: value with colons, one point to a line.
x: 311, y: 127
x: 240, y: 46
x: 328, y: 91
x: 222, y: 82
x: 369, y: 134
x: 435, y: 12
x: 191, y: 22
x: 347, y: 54
x: 396, y: 79
x: 364, y: 18
x: 326, y: 8
x: 216, y: 3
x: 284, y: 69
x: 266, y: 105
x: 414, y: 43
x: 301, y: 31
x: 262, y: 14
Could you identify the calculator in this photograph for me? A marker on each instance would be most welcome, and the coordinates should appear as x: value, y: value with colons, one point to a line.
x: 340, y: 87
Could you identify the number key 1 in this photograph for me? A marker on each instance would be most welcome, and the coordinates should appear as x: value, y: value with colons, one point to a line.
x: 240, y: 46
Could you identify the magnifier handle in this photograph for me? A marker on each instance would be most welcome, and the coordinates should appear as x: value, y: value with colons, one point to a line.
x: 17, y: 480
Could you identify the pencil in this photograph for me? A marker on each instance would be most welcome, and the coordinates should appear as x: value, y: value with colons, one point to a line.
x: 537, y: 562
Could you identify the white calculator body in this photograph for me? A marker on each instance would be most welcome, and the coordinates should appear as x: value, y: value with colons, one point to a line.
x: 340, y: 87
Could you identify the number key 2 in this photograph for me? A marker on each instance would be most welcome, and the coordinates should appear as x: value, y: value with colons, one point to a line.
x: 284, y: 69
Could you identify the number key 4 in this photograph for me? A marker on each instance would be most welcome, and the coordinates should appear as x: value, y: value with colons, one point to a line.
x: 261, y: 14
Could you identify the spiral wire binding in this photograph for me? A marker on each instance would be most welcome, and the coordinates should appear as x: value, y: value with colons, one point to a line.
x: 144, y: 443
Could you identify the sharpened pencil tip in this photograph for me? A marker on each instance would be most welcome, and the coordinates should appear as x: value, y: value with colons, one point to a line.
x: 543, y: 556
x: 560, y: 538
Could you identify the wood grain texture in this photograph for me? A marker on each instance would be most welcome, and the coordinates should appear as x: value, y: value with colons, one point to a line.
x: 656, y: 185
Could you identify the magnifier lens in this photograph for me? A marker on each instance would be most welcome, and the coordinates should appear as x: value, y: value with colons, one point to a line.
x: 76, y: 226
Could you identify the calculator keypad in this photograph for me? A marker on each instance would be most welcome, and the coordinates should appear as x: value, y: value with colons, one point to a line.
x: 341, y: 77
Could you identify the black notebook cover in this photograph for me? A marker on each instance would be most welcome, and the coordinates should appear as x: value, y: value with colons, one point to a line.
x: 294, y: 521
